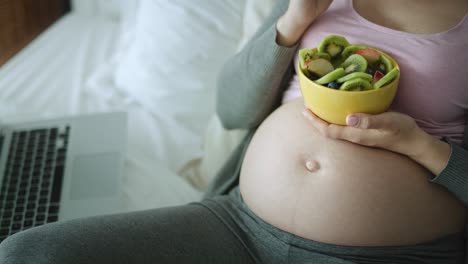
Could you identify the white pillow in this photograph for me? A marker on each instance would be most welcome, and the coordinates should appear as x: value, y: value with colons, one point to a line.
x: 255, y: 13
x: 110, y: 8
x: 107, y: 8
x: 176, y: 54
x: 218, y: 142
x: 128, y: 13
x: 85, y: 7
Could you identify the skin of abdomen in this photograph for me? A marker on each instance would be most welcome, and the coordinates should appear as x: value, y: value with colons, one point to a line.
x: 352, y: 195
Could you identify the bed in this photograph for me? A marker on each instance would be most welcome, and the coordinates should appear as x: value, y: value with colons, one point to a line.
x: 156, y: 60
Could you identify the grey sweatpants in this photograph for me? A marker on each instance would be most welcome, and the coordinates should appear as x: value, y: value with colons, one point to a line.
x: 216, y: 230
x: 183, y: 234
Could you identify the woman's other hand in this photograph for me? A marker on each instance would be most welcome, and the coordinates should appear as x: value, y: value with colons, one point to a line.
x: 299, y: 16
x: 393, y: 131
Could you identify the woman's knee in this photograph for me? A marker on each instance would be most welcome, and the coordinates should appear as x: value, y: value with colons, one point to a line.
x: 24, y: 248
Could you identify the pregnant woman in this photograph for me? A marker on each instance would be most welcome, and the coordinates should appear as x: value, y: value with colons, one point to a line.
x: 387, y: 188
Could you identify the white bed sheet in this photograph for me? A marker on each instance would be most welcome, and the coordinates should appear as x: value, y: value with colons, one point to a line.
x: 68, y: 70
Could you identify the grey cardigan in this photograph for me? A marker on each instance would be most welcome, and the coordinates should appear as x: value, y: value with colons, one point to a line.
x: 250, y: 87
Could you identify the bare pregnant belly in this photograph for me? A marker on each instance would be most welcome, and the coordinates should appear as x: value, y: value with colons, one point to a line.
x: 356, y: 195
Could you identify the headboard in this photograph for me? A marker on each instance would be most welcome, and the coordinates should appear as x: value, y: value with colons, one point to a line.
x: 22, y: 20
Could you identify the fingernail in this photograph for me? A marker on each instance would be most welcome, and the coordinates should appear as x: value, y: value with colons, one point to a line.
x: 352, y: 120
x: 304, y: 113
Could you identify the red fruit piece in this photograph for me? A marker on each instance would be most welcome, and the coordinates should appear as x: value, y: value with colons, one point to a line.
x: 371, y: 55
x: 377, y: 76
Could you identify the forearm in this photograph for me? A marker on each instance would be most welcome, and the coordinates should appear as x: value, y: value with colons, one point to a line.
x: 431, y: 153
x: 289, y: 31
x: 454, y: 175
x: 449, y: 164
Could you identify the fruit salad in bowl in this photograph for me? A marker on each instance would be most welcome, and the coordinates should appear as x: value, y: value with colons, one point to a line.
x: 338, y: 78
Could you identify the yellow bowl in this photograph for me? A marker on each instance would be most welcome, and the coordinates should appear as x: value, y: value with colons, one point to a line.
x: 334, y: 105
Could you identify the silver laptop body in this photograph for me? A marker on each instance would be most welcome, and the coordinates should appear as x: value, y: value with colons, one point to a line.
x: 67, y: 167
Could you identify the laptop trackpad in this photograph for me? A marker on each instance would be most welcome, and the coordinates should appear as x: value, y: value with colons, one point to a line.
x: 94, y: 176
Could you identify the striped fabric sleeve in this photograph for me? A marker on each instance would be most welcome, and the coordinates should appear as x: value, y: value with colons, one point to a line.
x: 455, y: 174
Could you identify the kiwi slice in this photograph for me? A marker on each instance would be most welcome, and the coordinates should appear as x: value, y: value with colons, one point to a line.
x: 322, y: 55
x: 387, y: 78
x: 354, y: 63
x: 333, y: 45
x: 351, y: 49
x: 355, y: 75
x: 305, y: 55
x: 386, y: 62
x: 357, y: 84
x: 331, y: 76
x: 337, y: 61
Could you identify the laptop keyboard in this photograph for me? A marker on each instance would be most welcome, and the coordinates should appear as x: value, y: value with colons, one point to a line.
x: 32, y: 181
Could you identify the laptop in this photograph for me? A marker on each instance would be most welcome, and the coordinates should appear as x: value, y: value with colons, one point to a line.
x: 60, y: 169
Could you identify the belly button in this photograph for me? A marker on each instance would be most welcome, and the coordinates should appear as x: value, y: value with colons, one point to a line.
x: 312, y: 165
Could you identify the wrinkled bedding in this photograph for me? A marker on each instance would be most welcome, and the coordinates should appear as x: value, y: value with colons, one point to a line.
x: 69, y: 70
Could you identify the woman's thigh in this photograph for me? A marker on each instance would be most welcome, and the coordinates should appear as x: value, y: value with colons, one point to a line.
x: 182, y: 234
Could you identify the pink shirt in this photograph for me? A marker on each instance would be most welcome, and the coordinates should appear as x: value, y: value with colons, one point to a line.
x: 433, y: 86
